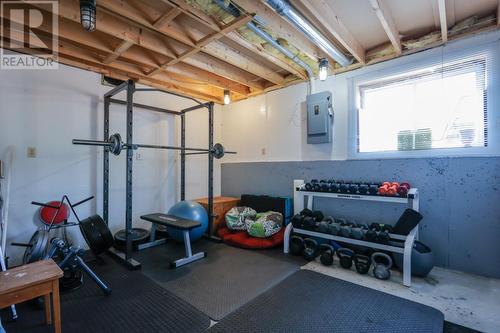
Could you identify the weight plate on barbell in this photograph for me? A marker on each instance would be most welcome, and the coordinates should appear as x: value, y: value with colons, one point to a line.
x: 116, y: 144
x: 37, y: 246
x: 218, y: 151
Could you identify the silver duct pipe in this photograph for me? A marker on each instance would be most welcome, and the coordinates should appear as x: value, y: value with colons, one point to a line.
x: 262, y: 34
x: 265, y: 36
x: 283, y: 8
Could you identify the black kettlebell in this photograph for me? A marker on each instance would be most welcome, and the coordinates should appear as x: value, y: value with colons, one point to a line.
x: 362, y: 263
x: 296, y: 245
x: 382, y: 264
x: 345, y: 257
x: 326, y: 254
x: 371, y: 235
x: 310, y: 249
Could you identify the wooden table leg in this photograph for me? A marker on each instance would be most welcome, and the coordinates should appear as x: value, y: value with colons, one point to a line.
x: 56, y: 306
x: 48, y: 309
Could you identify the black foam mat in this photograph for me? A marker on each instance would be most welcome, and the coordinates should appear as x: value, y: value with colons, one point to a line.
x: 137, y: 304
x: 311, y: 302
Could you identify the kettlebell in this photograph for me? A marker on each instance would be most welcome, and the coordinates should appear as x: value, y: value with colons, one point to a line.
x: 382, y: 265
x: 309, y: 223
x: 362, y: 263
x: 310, y: 249
x: 345, y: 256
x: 296, y: 245
x: 345, y: 229
x: 326, y: 254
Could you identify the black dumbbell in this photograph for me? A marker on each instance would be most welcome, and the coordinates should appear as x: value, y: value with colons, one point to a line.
x: 358, y: 231
x: 353, y: 188
x: 298, y: 221
x: 373, y: 189
x: 383, y: 235
x: 326, y: 254
x: 343, y: 188
x: 318, y: 215
x: 323, y: 226
x: 296, y: 245
x: 324, y: 186
x: 334, y: 187
x: 306, y: 212
x: 371, y: 235
x: 345, y: 257
x: 362, y: 263
x: 363, y: 189
x: 310, y: 249
x: 309, y: 223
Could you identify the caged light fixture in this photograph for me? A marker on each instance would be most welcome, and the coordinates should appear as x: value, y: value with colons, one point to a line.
x: 323, y: 69
x: 88, y: 14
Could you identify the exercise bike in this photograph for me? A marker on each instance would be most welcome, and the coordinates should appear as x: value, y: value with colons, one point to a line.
x: 69, y: 258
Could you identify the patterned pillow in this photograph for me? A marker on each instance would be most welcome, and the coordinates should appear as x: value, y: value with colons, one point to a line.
x: 236, y: 216
x: 265, y: 224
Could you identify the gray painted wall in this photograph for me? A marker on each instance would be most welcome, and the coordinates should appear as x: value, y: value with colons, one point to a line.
x: 459, y: 198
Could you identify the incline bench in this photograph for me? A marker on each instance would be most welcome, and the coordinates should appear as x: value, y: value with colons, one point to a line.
x: 171, y: 221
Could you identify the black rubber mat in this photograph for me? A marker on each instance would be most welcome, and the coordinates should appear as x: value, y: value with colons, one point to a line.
x: 311, y: 302
x: 219, y: 284
x: 137, y: 304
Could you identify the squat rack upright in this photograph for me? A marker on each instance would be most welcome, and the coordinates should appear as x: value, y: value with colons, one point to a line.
x: 130, y: 88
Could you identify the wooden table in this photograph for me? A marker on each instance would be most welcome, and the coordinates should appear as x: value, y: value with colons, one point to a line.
x: 26, y: 282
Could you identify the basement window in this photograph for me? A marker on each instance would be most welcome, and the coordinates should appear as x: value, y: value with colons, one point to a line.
x: 436, y: 107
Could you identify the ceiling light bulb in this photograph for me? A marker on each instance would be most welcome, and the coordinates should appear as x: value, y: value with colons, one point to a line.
x: 323, y: 69
x: 227, y: 97
x: 88, y: 14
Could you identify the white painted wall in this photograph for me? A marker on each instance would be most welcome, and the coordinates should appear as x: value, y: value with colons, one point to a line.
x: 272, y: 127
x: 47, y: 109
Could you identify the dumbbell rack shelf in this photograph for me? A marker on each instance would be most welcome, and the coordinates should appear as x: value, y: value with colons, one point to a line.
x: 412, y: 201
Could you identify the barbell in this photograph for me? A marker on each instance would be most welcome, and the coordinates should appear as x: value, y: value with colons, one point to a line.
x: 115, y: 145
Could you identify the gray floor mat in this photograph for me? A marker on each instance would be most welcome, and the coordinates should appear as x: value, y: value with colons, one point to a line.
x: 219, y: 284
x: 311, y: 302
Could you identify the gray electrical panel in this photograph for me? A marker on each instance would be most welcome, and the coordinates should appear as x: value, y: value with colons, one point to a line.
x: 319, y: 117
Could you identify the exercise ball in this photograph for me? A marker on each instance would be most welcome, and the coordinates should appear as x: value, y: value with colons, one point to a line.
x: 422, y: 259
x: 193, y: 211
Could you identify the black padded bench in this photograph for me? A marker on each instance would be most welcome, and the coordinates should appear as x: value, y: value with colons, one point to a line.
x: 174, y: 222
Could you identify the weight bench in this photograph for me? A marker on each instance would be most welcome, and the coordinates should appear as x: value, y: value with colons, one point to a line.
x: 172, y: 221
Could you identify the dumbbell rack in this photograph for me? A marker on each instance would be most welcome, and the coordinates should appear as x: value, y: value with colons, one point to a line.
x: 411, y: 201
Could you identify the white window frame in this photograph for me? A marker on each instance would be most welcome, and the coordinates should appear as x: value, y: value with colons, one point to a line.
x: 452, y: 52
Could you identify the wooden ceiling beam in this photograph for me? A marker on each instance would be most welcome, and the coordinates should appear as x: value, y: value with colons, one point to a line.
x: 384, y: 15
x: 324, y: 15
x: 442, y: 20
x: 70, y: 12
x: 117, y: 52
x: 215, y: 49
x: 194, y: 13
x: 203, y: 42
x: 167, y: 18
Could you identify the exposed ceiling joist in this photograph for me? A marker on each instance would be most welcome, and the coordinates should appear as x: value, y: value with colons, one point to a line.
x: 167, y: 18
x: 385, y: 17
x: 326, y: 16
x: 117, y: 52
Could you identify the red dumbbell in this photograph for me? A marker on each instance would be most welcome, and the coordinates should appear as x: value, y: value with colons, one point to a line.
x: 403, y: 189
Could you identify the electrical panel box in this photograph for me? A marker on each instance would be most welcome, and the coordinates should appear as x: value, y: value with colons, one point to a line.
x: 319, y: 117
